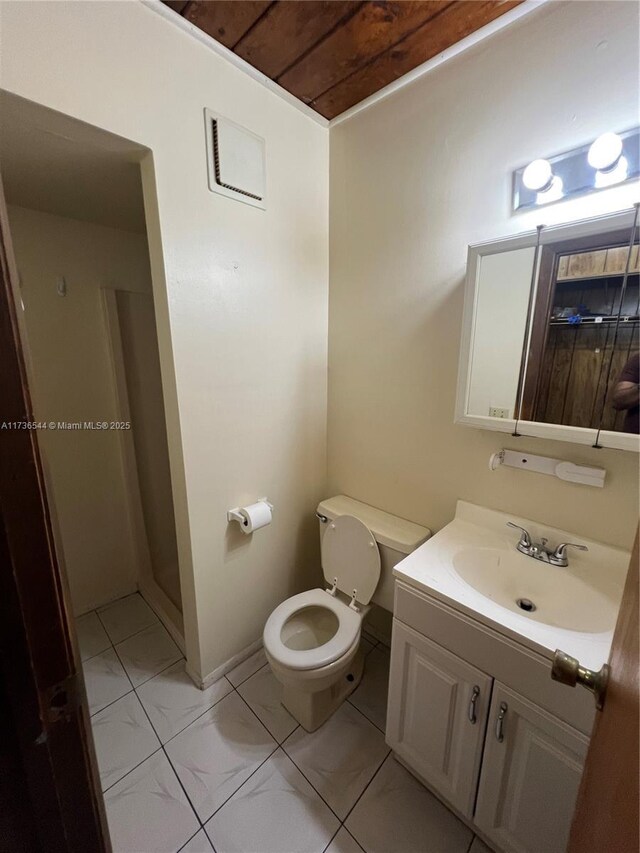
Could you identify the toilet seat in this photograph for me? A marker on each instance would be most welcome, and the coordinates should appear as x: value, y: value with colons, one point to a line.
x: 349, y: 622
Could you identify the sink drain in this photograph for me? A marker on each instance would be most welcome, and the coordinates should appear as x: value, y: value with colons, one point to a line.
x: 526, y: 604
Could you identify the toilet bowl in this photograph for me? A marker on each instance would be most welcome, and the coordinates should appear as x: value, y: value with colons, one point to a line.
x: 312, y: 644
x: 312, y: 640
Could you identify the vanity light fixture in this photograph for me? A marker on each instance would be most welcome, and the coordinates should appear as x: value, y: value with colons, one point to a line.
x: 610, y: 160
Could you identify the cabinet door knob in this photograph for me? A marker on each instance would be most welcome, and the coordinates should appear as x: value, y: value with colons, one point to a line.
x: 472, y: 705
x: 500, y: 722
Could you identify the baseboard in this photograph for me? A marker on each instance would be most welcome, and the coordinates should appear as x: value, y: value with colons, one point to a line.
x: 165, y: 610
x: 218, y: 672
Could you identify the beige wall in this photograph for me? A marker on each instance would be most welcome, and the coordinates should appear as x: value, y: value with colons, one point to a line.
x: 73, y: 381
x: 243, y: 316
x: 414, y: 180
x: 139, y: 352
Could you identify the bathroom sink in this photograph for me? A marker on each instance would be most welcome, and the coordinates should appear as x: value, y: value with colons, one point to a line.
x: 541, y: 592
x: 472, y: 565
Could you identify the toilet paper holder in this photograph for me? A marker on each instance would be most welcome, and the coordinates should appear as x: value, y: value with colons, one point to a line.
x: 236, y: 515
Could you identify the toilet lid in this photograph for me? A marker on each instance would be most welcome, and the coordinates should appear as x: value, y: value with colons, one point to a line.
x: 350, y: 554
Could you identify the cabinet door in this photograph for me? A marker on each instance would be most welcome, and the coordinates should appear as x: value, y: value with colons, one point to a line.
x: 531, y: 771
x: 438, y: 706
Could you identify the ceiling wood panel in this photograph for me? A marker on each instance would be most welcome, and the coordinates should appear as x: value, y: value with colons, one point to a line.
x: 455, y: 23
x: 177, y: 5
x: 225, y: 20
x: 332, y: 54
x: 290, y: 29
x: 373, y: 29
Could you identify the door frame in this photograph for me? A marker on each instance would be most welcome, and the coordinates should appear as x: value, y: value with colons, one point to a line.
x: 39, y: 658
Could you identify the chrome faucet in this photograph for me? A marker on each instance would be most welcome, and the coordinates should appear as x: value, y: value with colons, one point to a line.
x: 539, y: 550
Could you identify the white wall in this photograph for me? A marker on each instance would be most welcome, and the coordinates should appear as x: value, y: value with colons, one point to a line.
x: 73, y: 382
x: 243, y: 317
x: 414, y: 180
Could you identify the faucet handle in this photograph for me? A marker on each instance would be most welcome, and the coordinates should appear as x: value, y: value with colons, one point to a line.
x: 525, y: 538
x: 561, y: 551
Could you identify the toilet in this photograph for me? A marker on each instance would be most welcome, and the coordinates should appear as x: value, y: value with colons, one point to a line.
x: 312, y: 640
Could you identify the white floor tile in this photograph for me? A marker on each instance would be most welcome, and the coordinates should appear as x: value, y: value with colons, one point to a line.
x: 105, y: 680
x: 263, y: 693
x: 479, y: 846
x: 172, y: 700
x: 370, y: 697
x: 247, y: 668
x: 148, y: 811
x: 148, y: 653
x: 340, y: 758
x: 218, y: 752
x: 398, y: 815
x: 126, y: 617
x: 198, y: 844
x: 123, y: 738
x: 92, y: 638
x: 275, y: 811
x: 343, y: 843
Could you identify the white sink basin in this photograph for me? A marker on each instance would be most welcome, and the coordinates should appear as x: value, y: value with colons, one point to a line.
x: 559, y: 597
x: 473, y: 565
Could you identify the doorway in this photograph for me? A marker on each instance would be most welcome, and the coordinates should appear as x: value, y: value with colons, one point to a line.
x: 88, y: 328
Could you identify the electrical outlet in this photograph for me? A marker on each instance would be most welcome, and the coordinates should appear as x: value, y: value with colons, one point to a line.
x: 495, y: 412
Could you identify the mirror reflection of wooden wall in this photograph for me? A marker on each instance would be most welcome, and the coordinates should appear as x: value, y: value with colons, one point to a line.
x: 573, y: 365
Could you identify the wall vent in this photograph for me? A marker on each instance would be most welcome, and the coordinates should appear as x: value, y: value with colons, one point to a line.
x: 235, y: 160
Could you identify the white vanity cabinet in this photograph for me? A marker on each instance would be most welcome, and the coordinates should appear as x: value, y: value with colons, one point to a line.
x: 437, y: 719
x: 477, y: 718
x: 531, y: 770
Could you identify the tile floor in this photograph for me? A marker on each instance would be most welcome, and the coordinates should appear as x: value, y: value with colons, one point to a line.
x: 229, y: 770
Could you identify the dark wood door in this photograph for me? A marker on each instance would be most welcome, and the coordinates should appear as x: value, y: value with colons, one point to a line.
x: 606, y: 817
x: 50, y: 796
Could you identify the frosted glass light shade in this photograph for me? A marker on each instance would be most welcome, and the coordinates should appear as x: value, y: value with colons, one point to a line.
x: 605, y: 151
x: 538, y: 175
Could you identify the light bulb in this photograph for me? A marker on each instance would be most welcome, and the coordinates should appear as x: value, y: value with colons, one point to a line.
x: 609, y: 177
x: 538, y: 175
x: 553, y: 192
x: 605, y: 152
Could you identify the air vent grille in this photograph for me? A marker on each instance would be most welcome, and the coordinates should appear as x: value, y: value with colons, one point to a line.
x: 235, y: 160
x: 216, y: 163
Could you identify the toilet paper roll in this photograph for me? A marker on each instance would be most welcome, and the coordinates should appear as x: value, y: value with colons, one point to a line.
x: 255, y: 516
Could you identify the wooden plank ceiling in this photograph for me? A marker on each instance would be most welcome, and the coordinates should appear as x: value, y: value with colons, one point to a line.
x: 333, y: 54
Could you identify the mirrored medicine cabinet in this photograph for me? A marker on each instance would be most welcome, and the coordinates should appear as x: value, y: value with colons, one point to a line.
x: 550, y: 342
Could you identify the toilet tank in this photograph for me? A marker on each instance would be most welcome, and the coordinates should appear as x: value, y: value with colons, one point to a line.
x: 395, y: 536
